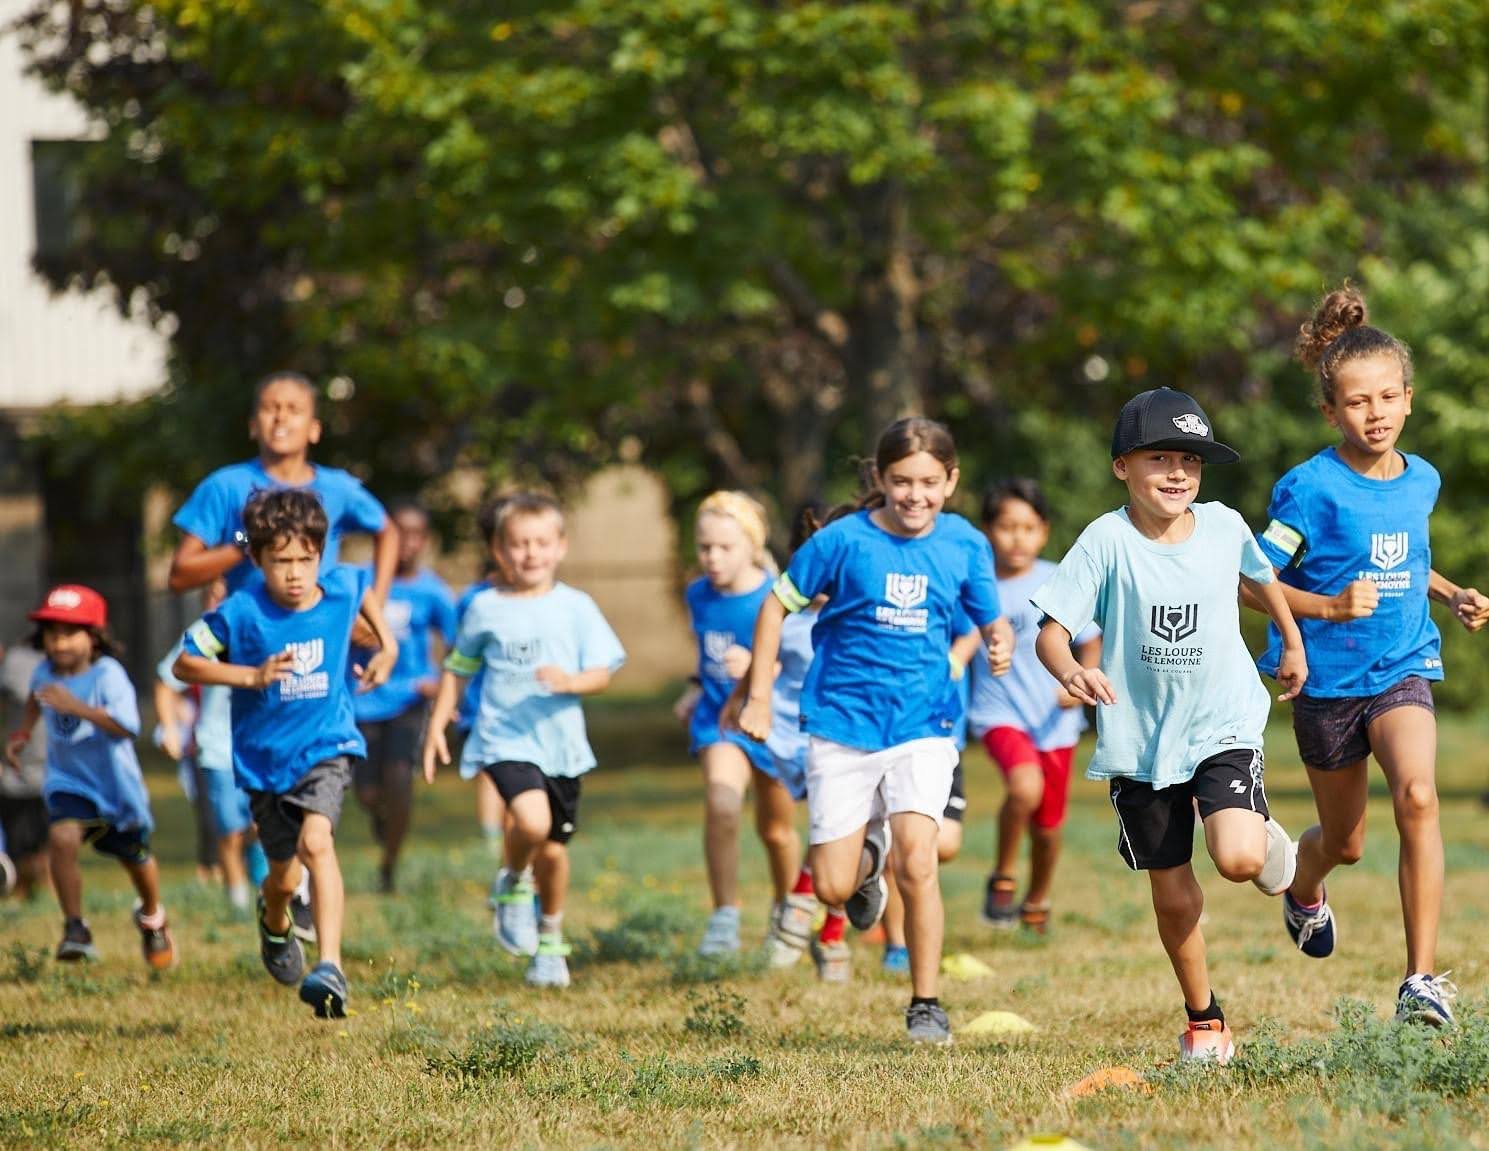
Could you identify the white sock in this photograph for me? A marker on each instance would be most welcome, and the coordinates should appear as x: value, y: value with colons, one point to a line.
x: 552, y: 924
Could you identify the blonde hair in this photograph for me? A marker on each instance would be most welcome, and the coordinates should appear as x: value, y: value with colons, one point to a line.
x: 749, y: 514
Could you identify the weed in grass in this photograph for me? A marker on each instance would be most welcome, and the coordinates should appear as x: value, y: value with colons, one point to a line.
x: 503, y: 1050
x: 690, y: 967
x: 26, y: 963
x: 717, y: 1014
x: 667, y: 1082
x: 644, y: 932
x: 53, y: 1125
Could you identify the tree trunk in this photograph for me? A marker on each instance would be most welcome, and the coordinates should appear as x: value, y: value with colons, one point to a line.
x: 883, y: 361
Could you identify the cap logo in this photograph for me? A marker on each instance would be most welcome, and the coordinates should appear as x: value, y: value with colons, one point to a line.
x: 64, y: 598
x: 1191, y: 424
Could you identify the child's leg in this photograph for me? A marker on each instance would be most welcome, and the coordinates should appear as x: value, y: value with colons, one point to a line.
x: 230, y: 852
x: 1339, y: 836
x: 64, y: 842
x: 551, y: 869
x: 1046, y: 821
x: 1405, y: 742
x: 317, y: 851
x: 145, y: 875
x: 775, y: 821
x: 726, y: 775
x: 1178, y: 903
x: 1237, y: 842
x: 397, y: 808
x: 529, y: 821
x: 949, y: 835
x: 1025, y: 791
x: 916, y: 873
x: 490, y: 810
x: 894, y: 906
x: 839, y: 867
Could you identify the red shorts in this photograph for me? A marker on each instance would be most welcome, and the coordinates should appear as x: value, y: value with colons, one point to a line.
x: 1012, y: 748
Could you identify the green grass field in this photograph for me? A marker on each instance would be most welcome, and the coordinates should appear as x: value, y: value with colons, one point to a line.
x: 655, y: 1049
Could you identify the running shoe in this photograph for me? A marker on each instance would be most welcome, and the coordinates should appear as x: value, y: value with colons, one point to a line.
x: 77, y: 942
x: 386, y: 882
x: 1035, y: 917
x: 1312, y: 931
x: 1207, y: 1039
x: 998, y: 906
x: 302, y: 919
x: 156, y: 944
x: 1427, y: 999
x: 1281, y: 865
x: 7, y: 874
x: 790, y: 930
x: 927, y: 1023
x: 515, y: 923
x: 896, y: 960
x: 866, y: 905
x: 283, y: 956
x: 721, y: 936
x: 325, y: 990
x: 550, y: 966
x: 834, y: 961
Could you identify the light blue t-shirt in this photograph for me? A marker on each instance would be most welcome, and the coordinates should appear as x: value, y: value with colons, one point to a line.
x: 212, y: 733
x: 1171, y: 641
x: 280, y: 732
x: 787, y: 742
x: 214, y: 510
x: 418, y: 609
x: 84, y: 761
x: 720, y: 621
x: 1027, y: 698
x: 881, y: 676
x: 470, y: 702
x: 519, y: 720
x: 1328, y: 526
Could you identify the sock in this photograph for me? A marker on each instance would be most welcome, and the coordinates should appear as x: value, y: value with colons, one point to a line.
x: 1206, y: 1013
x: 804, y: 883
x: 929, y: 1001
x: 833, y: 928
x: 552, y: 924
x: 237, y: 896
x: 154, y: 922
x: 1301, y: 906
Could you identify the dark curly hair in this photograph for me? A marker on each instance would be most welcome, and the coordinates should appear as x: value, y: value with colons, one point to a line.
x: 272, y: 517
x: 1340, y: 331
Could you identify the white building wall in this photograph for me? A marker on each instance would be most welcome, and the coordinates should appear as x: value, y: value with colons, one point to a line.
x: 75, y: 347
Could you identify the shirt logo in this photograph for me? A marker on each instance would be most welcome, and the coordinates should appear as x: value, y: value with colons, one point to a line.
x: 1238, y: 786
x: 307, y: 656
x: 905, y: 591
x: 716, y: 645
x: 400, y: 616
x: 1173, y: 622
x: 1388, y: 549
x: 523, y: 651
x: 307, y: 681
x: 1191, y: 424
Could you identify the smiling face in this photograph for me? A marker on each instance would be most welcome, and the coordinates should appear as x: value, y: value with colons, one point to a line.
x: 1161, y: 482
x: 290, y: 566
x: 69, y: 646
x: 916, y: 488
x: 725, y: 552
x: 533, y: 544
x: 284, y: 423
x: 1370, y: 403
x: 1018, y: 535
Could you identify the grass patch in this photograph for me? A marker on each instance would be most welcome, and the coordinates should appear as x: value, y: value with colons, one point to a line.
x: 503, y: 1050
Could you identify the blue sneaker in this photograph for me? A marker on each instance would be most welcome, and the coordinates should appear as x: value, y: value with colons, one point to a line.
x: 516, y: 923
x: 1426, y: 999
x: 325, y: 990
x: 896, y: 959
x: 1312, y: 931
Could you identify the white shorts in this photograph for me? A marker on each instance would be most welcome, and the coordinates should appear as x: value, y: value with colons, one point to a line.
x: 847, y: 788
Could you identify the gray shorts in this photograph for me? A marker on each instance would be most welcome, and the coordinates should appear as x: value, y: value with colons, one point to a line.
x: 1333, y: 733
x: 279, y: 816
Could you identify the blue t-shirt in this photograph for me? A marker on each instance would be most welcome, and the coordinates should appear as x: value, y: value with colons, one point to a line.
x: 881, y: 676
x: 1171, y: 641
x: 214, y: 510
x: 470, y: 702
x: 1329, y: 526
x: 787, y: 742
x: 418, y: 608
x: 84, y: 761
x: 213, y: 730
x: 1027, y: 698
x: 721, y: 621
x: 285, y: 729
x: 519, y: 719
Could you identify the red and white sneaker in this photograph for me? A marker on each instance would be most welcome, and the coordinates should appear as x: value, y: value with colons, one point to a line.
x: 1207, y: 1039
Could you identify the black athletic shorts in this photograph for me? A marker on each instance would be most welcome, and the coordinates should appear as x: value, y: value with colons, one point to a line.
x: 1333, y: 733
x: 1156, y: 826
x: 127, y: 844
x: 393, y: 747
x: 24, y: 818
x: 279, y: 816
x: 956, y: 804
x: 513, y: 778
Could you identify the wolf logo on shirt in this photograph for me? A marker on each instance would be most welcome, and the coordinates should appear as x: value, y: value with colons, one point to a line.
x: 1173, y: 622
x: 905, y: 591
x: 306, y: 657
x: 1388, y: 549
x: 307, y: 682
x: 521, y: 651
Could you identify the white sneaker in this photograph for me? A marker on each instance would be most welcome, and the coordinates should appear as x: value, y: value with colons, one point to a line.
x: 550, y: 966
x: 721, y: 936
x: 1281, y: 865
x: 790, y: 930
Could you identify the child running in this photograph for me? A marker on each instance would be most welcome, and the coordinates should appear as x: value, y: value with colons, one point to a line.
x: 879, y: 703
x: 1027, y: 722
x: 1182, y: 708
x: 283, y: 644
x: 543, y: 646
x: 94, y: 792
x: 722, y: 604
x: 1348, y: 535
x: 491, y: 812
x: 421, y: 611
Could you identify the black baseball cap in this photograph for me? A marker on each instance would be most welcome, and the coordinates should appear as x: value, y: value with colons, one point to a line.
x: 1165, y: 418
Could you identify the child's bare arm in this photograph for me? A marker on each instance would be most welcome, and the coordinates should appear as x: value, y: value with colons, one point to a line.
x: 754, y: 717
x: 1292, y: 669
x: 1469, y: 606
x: 21, y: 736
x: 190, y: 668
x: 1087, y: 684
x: 446, y: 699
x: 384, y: 559
x: 194, y: 564
x: 380, y: 664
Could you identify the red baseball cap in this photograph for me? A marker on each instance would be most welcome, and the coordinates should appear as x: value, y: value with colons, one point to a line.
x: 73, y: 603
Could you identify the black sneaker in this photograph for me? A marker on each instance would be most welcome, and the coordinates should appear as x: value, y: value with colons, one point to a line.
x: 77, y: 942
x: 866, y: 905
x: 283, y: 956
x: 301, y: 920
x: 325, y: 990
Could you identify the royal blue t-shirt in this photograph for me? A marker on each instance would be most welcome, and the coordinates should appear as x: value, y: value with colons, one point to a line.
x: 84, y: 761
x: 1329, y: 525
x: 881, y: 676
x: 214, y: 510
x: 418, y: 608
x: 721, y: 621
x: 285, y: 729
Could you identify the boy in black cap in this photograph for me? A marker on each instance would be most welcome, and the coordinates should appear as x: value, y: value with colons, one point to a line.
x: 1181, y: 707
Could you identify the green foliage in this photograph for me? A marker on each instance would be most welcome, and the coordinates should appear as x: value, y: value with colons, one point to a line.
x: 649, y: 930
x: 27, y: 964
x: 503, y: 1050
x: 716, y: 1015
